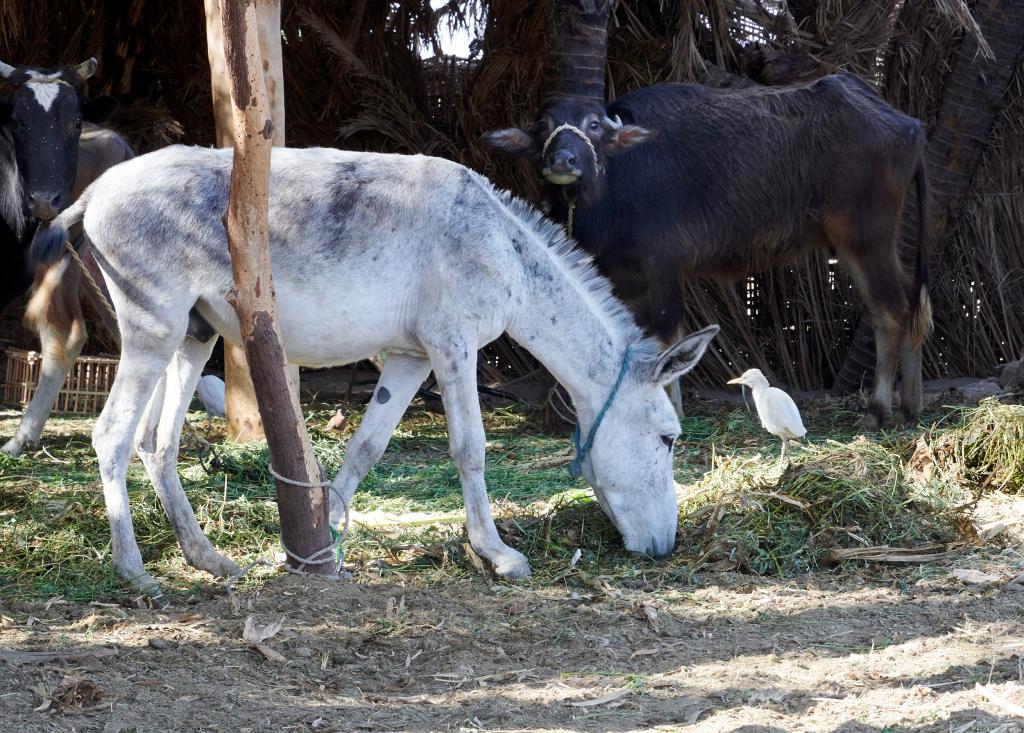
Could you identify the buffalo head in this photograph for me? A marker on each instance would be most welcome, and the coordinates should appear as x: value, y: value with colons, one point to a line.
x: 570, y: 140
x: 44, y: 115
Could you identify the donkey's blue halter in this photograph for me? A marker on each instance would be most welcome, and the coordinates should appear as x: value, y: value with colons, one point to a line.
x: 575, y: 468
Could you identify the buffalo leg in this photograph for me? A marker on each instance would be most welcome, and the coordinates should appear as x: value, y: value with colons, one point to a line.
x: 399, y: 380
x: 867, y: 245
x: 883, y: 289
x: 157, y: 443
x: 664, y: 317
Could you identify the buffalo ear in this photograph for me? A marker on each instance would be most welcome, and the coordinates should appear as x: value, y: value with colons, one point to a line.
x: 625, y: 137
x: 99, y: 109
x: 682, y: 356
x: 514, y: 141
x: 6, y: 110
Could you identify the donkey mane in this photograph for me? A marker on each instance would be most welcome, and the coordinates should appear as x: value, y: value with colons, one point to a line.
x: 578, y: 268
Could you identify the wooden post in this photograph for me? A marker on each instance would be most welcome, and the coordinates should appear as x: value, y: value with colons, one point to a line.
x: 305, y: 526
x: 242, y: 412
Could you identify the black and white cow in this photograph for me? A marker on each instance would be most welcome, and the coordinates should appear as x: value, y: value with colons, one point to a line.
x: 49, y: 153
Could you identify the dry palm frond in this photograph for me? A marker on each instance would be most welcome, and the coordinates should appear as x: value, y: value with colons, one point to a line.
x: 958, y: 11
x: 355, y: 77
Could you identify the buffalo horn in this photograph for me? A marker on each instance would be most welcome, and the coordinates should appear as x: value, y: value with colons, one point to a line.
x: 610, y: 124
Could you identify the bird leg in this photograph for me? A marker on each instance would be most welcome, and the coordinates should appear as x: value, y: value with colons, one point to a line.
x: 782, y: 458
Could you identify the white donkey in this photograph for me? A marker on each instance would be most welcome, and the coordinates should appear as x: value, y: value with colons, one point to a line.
x: 413, y: 255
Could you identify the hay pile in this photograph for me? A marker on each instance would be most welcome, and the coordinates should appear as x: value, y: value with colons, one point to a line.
x: 893, y: 499
x: 986, y: 453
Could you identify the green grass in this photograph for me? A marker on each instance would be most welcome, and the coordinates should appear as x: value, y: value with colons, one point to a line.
x: 738, y: 511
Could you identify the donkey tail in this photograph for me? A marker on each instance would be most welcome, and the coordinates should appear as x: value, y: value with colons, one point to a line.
x: 920, y: 301
x: 48, y: 241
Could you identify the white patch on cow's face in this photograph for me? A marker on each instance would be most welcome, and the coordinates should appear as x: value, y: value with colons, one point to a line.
x: 45, y: 88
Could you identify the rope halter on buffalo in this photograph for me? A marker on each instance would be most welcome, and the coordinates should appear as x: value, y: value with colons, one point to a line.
x: 608, y: 123
x: 569, y: 127
x: 575, y: 467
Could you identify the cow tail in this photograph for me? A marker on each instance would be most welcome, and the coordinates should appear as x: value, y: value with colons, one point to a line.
x: 45, y: 260
x: 48, y: 242
x: 920, y: 301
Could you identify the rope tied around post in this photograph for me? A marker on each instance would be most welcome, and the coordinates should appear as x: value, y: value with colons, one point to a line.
x: 333, y: 552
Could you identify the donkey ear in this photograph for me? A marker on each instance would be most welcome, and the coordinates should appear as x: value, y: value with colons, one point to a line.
x: 99, y: 109
x: 514, y: 141
x: 680, y: 358
x: 625, y: 137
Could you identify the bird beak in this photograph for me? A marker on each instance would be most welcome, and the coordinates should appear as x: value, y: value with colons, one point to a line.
x: 738, y: 380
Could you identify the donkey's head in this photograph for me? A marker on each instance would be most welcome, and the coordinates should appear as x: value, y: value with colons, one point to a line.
x: 630, y: 462
x: 44, y: 114
x: 570, y: 140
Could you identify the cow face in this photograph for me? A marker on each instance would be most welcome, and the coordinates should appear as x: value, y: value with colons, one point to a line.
x: 44, y: 115
x: 569, y: 141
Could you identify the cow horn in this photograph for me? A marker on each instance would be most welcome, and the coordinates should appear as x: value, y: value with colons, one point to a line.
x: 612, y: 124
x: 6, y: 70
x: 86, y: 68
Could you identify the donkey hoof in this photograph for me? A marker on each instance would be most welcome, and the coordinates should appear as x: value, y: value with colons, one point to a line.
x: 214, y: 563
x: 511, y: 564
x: 145, y: 584
x: 223, y: 568
x: 12, y: 448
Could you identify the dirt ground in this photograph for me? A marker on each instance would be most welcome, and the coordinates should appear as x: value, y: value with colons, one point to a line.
x: 866, y: 650
x: 870, y: 648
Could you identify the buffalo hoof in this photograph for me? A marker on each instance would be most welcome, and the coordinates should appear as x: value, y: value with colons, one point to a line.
x: 904, y: 419
x: 868, y: 423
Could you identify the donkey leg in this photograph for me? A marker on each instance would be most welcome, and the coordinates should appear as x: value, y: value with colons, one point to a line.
x: 139, y: 371
x: 53, y: 311
x: 401, y: 376
x: 455, y: 368
x: 157, y: 444
x: 147, y: 346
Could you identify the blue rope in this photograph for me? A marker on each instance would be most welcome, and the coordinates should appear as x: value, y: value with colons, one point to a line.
x: 575, y: 467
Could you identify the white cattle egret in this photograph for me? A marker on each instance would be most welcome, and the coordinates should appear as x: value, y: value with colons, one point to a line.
x: 211, y: 394
x: 779, y: 414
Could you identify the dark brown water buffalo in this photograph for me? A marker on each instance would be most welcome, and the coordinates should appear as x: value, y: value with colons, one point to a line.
x: 49, y: 153
x: 681, y: 180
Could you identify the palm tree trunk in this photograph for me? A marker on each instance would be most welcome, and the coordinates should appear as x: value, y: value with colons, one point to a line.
x: 577, y: 48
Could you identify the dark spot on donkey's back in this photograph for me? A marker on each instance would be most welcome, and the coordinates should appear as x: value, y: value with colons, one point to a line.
x: 383, y: 395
